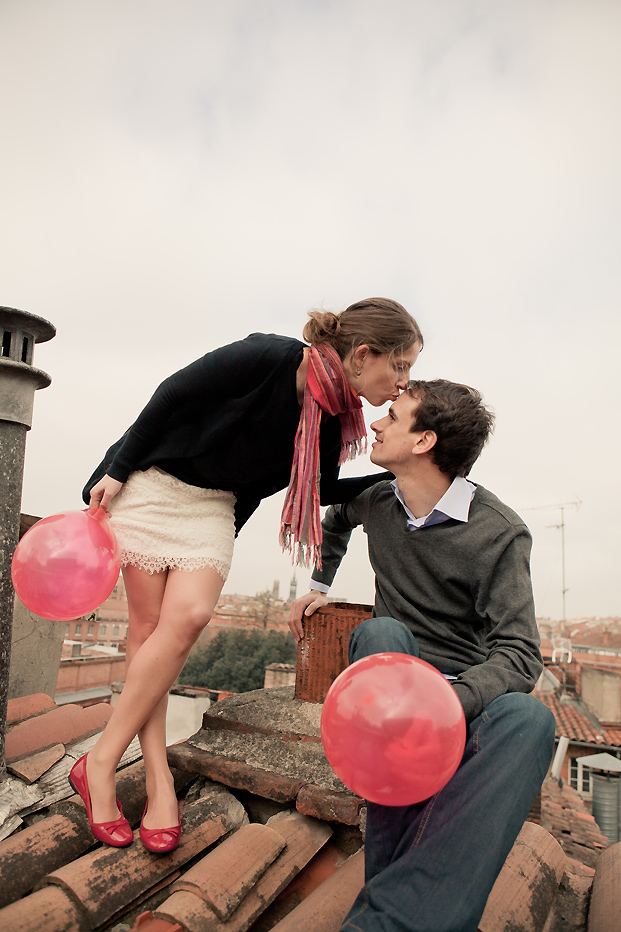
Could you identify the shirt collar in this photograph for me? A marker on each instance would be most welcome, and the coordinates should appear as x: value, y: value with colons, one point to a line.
x: 455, y: 503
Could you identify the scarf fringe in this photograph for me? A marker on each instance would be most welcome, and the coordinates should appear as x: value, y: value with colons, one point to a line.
x: 352, y: 449
x: 303, y: 554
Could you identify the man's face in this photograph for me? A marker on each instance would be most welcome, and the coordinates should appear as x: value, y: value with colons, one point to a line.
x: 394, y: 441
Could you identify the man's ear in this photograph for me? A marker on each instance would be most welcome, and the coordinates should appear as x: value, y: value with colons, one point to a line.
x: 425, y: 441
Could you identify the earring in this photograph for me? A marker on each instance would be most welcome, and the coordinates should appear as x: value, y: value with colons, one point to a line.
x: 358, y: 371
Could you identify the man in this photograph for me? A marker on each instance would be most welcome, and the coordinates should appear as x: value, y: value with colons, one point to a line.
x: 452, y: 585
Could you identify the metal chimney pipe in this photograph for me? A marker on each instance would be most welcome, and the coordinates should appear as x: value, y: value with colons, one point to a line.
x: 559, y: 757
x: 19, y: 380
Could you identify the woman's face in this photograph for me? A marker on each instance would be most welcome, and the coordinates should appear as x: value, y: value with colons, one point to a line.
x: 382, y: 376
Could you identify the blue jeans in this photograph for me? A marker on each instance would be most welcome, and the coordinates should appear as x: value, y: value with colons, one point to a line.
x: 430, y: 867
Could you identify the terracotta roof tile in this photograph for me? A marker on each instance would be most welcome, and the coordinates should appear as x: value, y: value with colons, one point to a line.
x: 49, y: 910
x: 224, y: 879
x: 526, y: 887
x: 106, y: 880
x: 59, y: 725
x: 612, y: 735
x: 325, y: 908
x: 604, y: 637
x: 29, y: 855
x: 564, y: 815
x: 571, y: 904
x: 605, y: 908
x: 328, y: 860
x: 30, y: 768
x: 571, y: 721
x: 146, y: 923
x: 26, y: 706
x: 303, y: 837
x: 265, y: 743
x: 62, y: 836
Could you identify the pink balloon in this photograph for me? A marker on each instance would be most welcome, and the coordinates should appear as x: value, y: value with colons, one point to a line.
x: 66, y: 565
x: 393, y: 729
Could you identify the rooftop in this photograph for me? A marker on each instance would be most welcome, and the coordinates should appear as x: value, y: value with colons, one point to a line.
x: 272, y: 839
x: 576, y: 722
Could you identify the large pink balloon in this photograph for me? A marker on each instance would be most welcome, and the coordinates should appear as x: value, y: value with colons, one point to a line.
x: 66, y: 565
x: 393, y: 729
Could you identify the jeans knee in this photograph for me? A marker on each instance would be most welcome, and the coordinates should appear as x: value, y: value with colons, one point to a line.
x: 376, y: 635
x: 544, y: 722
x: 529, y: 716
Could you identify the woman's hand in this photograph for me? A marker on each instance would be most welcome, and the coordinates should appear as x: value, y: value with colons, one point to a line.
x: 305, y: 605
x: 103, y: 493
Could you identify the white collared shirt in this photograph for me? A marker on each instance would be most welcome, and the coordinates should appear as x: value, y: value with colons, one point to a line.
x: 455, y: 503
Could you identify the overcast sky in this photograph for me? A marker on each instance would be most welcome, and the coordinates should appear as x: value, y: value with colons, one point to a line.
x: 176, y: 175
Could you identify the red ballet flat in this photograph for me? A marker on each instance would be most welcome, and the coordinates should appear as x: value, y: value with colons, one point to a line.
x: 160, y: 840
x: 117, y: 833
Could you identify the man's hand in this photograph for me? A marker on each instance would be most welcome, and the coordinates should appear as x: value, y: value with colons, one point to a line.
x: 305, y: 605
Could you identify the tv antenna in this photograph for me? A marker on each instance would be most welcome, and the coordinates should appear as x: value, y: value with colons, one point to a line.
x: 561, y: 526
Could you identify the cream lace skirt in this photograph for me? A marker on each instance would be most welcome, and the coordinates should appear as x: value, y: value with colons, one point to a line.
x: 161, y: 523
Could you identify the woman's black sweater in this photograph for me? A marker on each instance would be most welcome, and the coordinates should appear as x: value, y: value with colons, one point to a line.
x: 228, y: 421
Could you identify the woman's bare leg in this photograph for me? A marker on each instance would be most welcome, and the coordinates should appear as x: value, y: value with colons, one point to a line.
x: 145, y: 603
x: 187, y: 604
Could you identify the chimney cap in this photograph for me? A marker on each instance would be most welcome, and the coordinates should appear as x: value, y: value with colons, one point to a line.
x: 42, y: 330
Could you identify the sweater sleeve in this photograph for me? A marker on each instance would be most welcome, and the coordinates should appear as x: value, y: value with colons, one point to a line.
x: 332, y: 490
x: 228, y: 372
x: 337, y: 525
x: 505, y: 598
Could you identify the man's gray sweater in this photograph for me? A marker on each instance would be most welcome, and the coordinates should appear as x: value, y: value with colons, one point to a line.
x: 463, y: 589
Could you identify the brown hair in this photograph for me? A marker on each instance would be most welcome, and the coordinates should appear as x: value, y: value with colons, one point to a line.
x: 384, y: 325
x: 458, y: 417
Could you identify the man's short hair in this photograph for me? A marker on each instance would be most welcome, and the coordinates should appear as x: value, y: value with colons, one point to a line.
x: 458, y: 417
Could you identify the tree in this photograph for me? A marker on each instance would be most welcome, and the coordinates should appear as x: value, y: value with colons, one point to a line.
x: 236, y: 660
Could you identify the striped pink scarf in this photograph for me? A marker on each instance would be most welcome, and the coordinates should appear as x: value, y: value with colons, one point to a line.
x: 327, y: 389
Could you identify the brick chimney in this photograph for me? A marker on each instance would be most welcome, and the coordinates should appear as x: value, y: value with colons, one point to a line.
x: 322, y: 653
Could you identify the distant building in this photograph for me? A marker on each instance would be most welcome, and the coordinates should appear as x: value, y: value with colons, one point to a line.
x: 581, y: 685
x: 106, y: 627
x: 93, y: 652
x: 264, y: 611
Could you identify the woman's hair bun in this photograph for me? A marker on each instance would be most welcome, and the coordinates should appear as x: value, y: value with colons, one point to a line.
x: 380, y: 323
x: 322, y: 327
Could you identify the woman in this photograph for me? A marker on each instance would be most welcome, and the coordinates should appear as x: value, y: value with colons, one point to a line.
x: 230, y: 429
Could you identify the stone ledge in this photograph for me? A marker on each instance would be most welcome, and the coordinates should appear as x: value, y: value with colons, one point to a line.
x: 234, y: 773
x: 276, y: 710
x: 329, y: 805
